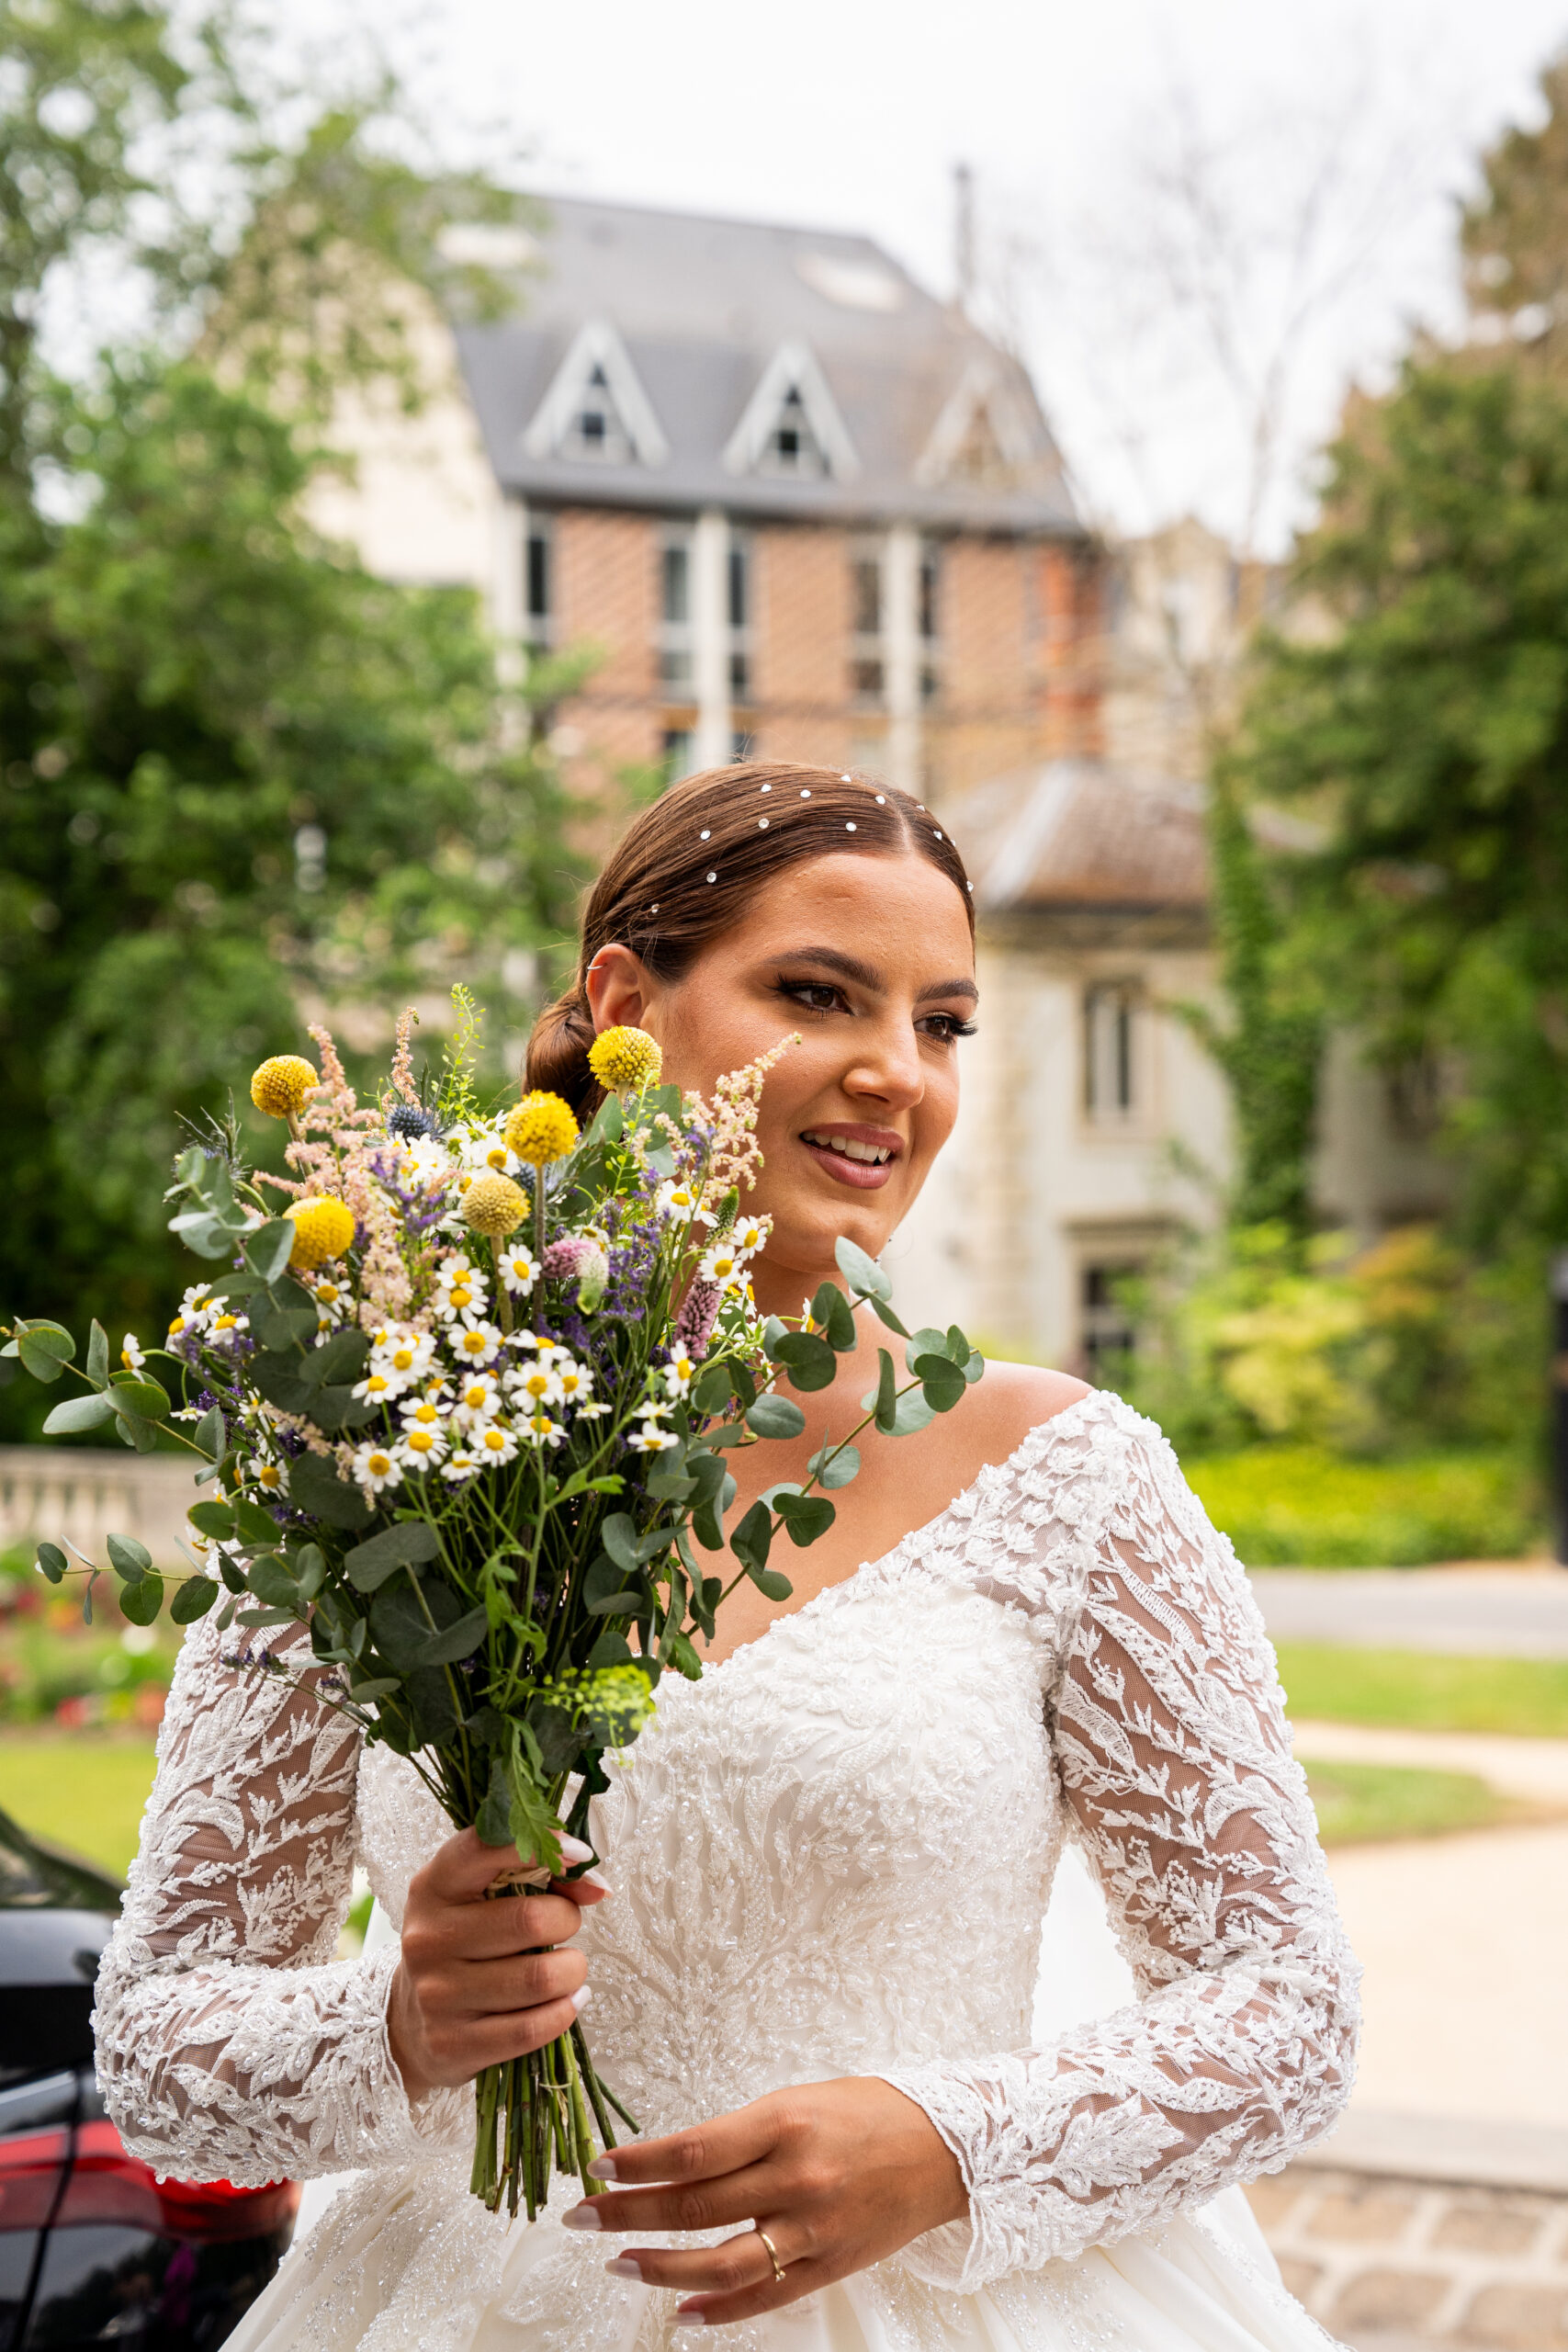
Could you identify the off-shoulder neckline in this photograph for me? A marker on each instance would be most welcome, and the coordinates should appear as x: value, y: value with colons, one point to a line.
x: 1051, y: 1428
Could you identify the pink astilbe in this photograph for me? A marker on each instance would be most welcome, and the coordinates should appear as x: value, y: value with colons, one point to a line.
x: 735, y: 1156
x: 402, y: 1057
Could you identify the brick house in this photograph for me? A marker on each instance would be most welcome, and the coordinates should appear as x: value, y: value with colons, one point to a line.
x: 801, y: 507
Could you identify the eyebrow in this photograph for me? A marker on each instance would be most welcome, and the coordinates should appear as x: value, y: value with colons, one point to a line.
x: 850, y: 967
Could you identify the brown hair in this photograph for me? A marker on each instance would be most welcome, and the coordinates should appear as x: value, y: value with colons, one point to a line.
x: 689, y: 866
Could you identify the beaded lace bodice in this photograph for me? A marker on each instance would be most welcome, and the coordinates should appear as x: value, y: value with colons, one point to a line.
x: 832, y: 1856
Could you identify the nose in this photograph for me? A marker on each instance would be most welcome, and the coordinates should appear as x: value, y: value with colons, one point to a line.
x: 888, y: 1069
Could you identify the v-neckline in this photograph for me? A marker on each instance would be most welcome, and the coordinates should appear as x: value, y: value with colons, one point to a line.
x: 914, y: 1536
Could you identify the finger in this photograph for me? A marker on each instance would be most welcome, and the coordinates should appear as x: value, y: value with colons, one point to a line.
x: 708, y: 2309
x: 713, y: 2204
x: 700, y: 2153
x: 462, y: 1867
x: 739, y: 2264
x: 490, y: 2041
x: 497, y: 1987
x: 591, y: 1887
x: 475, y: 1931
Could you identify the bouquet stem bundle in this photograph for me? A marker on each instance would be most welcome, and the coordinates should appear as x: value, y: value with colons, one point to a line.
x: 487, y: 1480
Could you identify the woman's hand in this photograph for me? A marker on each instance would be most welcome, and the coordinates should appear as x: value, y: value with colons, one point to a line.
x: 474, y: 1987
x: 838, y: 2174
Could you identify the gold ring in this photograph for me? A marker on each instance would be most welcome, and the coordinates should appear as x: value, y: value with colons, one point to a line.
x: 772, y: 2255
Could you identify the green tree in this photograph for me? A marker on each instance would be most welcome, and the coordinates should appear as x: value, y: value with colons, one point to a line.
x: 1427, y: 730
x: 241, y: 781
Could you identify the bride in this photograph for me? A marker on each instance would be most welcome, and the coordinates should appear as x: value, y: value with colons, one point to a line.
x: 812, y: 1953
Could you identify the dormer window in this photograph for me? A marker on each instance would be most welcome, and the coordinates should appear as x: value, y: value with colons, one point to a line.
x: 792, y: 428
x: 595, y: 408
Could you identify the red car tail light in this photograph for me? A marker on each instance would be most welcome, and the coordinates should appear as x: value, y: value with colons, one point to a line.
x: 107, y: 2184
x: 32, y: 2164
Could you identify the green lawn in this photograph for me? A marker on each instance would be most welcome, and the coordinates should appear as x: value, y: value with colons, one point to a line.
x: 1289, y: 1506
x: 1425, y: 1691
x: 85, y: 1794
x: 1361, y: 1802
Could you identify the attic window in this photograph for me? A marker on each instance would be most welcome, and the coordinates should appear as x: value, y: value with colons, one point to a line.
x: 980, y: 458
x: 596, y: 430
x: 792, y: 447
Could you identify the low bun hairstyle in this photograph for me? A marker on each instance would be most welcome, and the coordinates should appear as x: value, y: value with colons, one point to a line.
x: 688, y: 866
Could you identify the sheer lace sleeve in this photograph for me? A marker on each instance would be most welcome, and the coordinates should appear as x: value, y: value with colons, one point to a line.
x: 231, y: 2044
x: 1168, y: 1725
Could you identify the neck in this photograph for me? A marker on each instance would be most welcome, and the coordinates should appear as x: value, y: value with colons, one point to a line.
x: 779, y: 1290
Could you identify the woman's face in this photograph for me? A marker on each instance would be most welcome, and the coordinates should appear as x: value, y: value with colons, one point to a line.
x: 870, y: 959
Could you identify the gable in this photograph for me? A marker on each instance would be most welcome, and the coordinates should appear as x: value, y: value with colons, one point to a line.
x: 595, y: 408
x: 791, y: 428
x: 982, y: 438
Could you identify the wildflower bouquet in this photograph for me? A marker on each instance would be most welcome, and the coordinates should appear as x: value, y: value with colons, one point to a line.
x: 466, y: 1406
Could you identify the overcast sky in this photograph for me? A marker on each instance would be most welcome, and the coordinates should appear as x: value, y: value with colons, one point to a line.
x: 851, y: 113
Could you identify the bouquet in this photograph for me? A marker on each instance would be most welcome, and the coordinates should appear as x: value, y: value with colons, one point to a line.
x: 464, y: 1395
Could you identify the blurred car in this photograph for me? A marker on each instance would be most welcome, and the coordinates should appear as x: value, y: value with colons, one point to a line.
x: 93, y: 2249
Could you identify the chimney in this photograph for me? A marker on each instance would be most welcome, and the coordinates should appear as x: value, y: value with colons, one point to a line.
x: 964, y: 236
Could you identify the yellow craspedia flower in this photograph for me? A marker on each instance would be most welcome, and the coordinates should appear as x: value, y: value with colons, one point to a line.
x: 625, y: 1061
x: 495, y: 1204
x: 280, y: 1085
x: 323, y: 1227
x: 541, y: 1129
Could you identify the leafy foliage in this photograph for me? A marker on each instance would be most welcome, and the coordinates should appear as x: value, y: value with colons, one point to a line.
x: 237, y: 772
x: 1428, y: 733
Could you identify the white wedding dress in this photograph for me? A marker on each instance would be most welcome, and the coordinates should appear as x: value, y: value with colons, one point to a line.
x: 831, y: 1856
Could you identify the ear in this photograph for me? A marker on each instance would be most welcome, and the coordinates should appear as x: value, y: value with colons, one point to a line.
x: 619, y: 987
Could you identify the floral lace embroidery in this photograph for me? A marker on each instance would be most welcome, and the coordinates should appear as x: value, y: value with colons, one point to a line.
x: 831, y: 1856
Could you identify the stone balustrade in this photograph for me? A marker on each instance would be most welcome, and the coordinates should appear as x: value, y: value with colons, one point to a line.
x: 79, y: 1495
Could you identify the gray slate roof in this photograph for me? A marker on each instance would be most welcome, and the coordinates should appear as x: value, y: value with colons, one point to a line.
x: 701, y: 306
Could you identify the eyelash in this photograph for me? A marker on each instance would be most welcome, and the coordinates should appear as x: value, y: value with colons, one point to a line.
x: 950, y: 1027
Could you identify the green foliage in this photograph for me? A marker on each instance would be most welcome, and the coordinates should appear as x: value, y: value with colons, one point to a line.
x: 1427, y: 731
x: 1514, y: 231
x: 1301, y: 1506
x: 238, y: 773
x: 1269, y: 1043
x: 1252, y: 1337
x: 1359, y: 1804
x: 1426, y: 1689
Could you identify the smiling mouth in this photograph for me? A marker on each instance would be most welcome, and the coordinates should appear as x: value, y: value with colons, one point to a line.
x: 849, y: 1160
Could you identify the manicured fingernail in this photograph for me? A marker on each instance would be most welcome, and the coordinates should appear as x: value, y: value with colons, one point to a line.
x: 690, y: 2319
x: 582, y: 1996
x: 572, y: 1849
x: 603, y: 2168
x: 582, y: 2217
x: 595, y: 1878
x: 625, y: 2266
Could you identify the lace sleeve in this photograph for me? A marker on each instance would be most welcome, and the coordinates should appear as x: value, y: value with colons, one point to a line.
x: 1168, y: 1725
x: 231, y: 2043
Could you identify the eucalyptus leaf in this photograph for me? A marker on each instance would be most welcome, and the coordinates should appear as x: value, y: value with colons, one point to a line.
x: 454, y: 1641
x: 98, y: 1355
x: 209, y: 1433
x: 769, y: 1584
x: 942, y: 1380
x: 78, y: 1413
x: 752, y: 1539
x: 805, y: 1517
x: 268, y: 1249
x: 315, y: 1487
x: 339, y: 1361
x: 140, y: 1603
x: 138, y: 1399
x: 213, y: 1519
x: 809, y: 1362
x: 777, y: 1416
x: 252, y: 1523
x: 193, y: 1600
x: 277, y: 1379
x: 408, y: 1544
x: 914, y: 1414
x: 864, y: 1275
x: 128, y: 1558
x: 51, y: 1562
x: 271, y: 1582
x: 834, y: 1467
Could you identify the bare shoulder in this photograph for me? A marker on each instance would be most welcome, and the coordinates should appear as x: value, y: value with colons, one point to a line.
x: 1014, y: 1398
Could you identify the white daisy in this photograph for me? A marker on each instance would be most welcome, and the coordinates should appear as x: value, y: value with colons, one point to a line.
x: 494, y: 1443
x: 460, y: 1465
x: 535, y: 1385
x: 132, y: 1355
x: 652, y: 1439
x: 541, y: 1430
x: 476, y: 1343
x: 574, y: 1381
x: 375, y: 1468
x: 422, y: 1446
x: 749, y: 1233
x: 724, y: 1265
x: 380, y: 1387
x: 679, y: 1373
x: 479, y: 1400
x: 268, y: 1477
x: 404, y: 1356
x: 519, y: 1270
x: 682, y: 1200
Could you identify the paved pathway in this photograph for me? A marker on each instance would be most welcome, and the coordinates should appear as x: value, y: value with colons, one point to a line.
x: 1533, y: 1768
x: 1515, y: 1611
